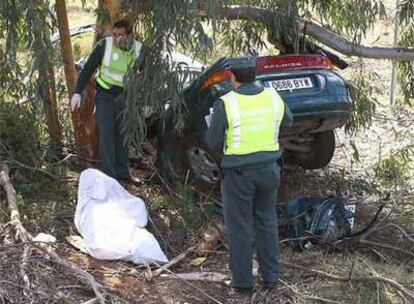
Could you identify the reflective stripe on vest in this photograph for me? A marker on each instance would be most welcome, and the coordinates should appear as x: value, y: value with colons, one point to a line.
x: 253, y: 122
x: 115, y: 63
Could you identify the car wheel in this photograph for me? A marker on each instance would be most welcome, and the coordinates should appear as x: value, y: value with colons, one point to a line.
x: 204, y: 166
x: 185, y: 156
x: 322, y: 151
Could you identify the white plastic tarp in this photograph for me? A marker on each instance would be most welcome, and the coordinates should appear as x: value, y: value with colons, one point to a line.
x: 112, y: 221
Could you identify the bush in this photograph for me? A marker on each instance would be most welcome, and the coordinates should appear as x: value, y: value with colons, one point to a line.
x: 19, y: 134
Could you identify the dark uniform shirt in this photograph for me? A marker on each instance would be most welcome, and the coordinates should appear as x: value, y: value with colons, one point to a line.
x: 215, y: 134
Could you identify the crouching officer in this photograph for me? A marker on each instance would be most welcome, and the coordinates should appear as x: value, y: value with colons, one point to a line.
x: 111, y: 58
x: 245, y: 125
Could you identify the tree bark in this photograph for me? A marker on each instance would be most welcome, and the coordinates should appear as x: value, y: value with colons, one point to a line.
x: 84, y: 126
x: 47, y: 86
x: 68, y: 62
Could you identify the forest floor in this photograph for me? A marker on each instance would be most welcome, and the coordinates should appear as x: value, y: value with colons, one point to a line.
x: 367, y: 169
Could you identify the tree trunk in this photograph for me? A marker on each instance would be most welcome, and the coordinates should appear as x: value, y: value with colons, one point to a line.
x: 48, y: 93
x: 84, y: 126
x: 68, y: 62
x: 47, y: 85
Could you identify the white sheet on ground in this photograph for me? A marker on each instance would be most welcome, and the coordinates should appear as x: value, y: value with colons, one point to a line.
x: 112, y: 221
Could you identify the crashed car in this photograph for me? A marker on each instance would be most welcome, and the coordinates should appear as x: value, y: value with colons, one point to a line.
x: 318, y: 97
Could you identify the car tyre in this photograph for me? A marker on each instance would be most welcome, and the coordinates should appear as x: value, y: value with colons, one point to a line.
x: 323, y: 148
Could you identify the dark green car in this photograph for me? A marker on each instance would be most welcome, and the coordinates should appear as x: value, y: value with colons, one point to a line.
x: 318, y: 98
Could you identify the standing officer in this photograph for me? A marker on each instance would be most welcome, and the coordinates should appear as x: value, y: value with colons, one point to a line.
x: 111, y: 58
x: 245, y: 124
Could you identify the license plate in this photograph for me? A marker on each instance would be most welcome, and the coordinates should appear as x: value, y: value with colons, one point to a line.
x: 291, y: 84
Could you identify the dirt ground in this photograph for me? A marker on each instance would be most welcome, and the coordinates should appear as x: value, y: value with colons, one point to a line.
x: 124, y: 282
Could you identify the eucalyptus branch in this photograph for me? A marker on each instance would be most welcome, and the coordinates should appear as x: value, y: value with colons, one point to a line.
x: 323, y: 35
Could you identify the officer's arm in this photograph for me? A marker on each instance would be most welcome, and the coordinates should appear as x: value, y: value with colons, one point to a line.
x: 287, y: 120
x: 214, y: 136
x: 92, y: 64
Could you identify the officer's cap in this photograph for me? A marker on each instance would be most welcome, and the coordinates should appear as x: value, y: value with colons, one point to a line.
x: 242, y: 63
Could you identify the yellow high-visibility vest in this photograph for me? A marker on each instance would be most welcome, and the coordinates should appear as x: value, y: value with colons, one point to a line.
x: 253, y: 122
x: 115, y: 63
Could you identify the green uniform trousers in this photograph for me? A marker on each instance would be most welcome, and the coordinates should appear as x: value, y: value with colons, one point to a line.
x: 113, y: 151
x: 249, y: 197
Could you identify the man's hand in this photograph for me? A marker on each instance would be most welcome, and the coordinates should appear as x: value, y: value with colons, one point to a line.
x: 75, y: 101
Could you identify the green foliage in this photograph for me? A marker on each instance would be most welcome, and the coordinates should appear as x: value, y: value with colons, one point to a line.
x: 350, y: 17
x: 20, y: 133
x: 406, y: 68
x: 364, y: 90
x: 172, y: 24
x: 186, y: 210
x: 393, y: 171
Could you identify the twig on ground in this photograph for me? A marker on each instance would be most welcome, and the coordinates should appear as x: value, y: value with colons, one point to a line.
x: 374, y: 226
x: 91, y: 301
x: 26, y: 237
x: 386, y: 246
x: 380, y: 255
x: 159, y: 235
x: 351, y: 272
x: 171, y: 263
x: 23, y: 287
x: 195, y: 287
x: 23, y: 266
x: 80, y: 272
x: 309, y: 297
x: 165, y: 183
x: 199, y: 276
x: 47, y: 173
x: 405, y: 291
x: 398, y: 228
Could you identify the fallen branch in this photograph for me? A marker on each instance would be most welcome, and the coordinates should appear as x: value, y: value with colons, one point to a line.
x: 195, y: 287
x: 47, y: 173
x: 387, y: 247
x: 404, y: 291
x: 308, y: 297
x: 23, y: 266
x: 91, y: 301
x: 198, y: 276
x: 398, y: 228
x: 171, y: 263
x: 26, y: 237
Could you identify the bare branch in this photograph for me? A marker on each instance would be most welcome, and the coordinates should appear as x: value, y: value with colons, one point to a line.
x: 386, y: 246
x: 398, y: 228
x: 404, y: 291
x: 27, y: 237
x: 171, y: 263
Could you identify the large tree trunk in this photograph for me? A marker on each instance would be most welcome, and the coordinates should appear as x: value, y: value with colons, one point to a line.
x: 68, y: 62
x: 83, y: 123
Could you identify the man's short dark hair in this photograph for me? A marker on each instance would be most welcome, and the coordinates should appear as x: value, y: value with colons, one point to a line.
x: 244, y: 68
x: 123, y: 23
x: 245, y: 75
